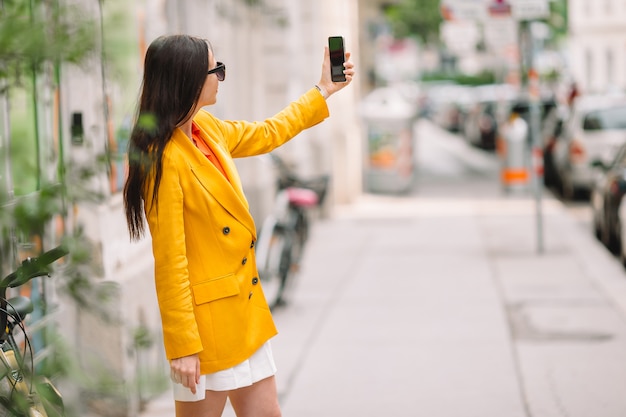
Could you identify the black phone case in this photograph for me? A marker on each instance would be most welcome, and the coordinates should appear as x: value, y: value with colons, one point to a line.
x: 337, y: 58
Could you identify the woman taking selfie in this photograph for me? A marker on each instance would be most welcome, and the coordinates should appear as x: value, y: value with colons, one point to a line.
x: 184, y: 185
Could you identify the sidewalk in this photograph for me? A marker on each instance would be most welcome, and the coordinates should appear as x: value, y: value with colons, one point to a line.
x: 443, y: 307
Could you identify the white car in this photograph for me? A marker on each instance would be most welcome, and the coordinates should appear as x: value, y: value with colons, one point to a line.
x: 593, y: 132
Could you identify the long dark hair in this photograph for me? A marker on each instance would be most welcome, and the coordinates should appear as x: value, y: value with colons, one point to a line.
x: 175, y: 70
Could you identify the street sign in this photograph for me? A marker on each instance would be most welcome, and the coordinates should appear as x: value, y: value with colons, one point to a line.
x: 530, y: 9
x: 479, y: 10
x: 463, y: 9
x: 460, y: 36
x: 500, y: 34
x: 499, y: 8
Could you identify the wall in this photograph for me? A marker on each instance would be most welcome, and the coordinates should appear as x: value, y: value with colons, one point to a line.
x: 597, y: 44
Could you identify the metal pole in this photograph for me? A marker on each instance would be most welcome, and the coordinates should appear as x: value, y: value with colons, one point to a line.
x: 537, y: 174
x: 531, y: 83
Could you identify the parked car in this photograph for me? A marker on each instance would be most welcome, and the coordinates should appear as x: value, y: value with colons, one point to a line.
x: 607, y: 192
x: 450, y: 105
x: 594, y: 130
x: 481, y: 125
x: 551, y: 119
x: 621, y: 217
x: 551, y: 130
x: 492, y: 103
x: 431, y: 95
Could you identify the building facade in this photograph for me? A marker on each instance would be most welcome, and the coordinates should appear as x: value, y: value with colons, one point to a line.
x: 597, y: 45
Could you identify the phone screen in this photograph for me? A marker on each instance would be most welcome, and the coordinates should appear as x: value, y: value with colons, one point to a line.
x: 337, y: 58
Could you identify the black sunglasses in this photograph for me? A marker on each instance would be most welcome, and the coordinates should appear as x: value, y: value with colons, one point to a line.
x: 219, y: 71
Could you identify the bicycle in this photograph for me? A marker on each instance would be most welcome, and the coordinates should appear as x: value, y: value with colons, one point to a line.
x: 284, y: 232
x: 22, y: 392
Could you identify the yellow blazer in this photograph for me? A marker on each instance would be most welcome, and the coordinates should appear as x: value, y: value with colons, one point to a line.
x: 203, y: 238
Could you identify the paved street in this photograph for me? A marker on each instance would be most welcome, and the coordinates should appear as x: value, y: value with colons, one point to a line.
x: 439, y: 304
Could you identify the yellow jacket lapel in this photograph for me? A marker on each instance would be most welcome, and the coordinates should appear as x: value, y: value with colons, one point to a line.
x: 227, y: 193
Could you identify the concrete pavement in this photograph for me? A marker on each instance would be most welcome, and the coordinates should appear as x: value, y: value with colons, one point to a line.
x: 440, y: 305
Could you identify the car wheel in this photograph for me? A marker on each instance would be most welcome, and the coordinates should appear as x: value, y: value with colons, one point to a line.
x: 275, y: 272
x: 597, y: 230
x: 610, y: 241
x: 549, y: 171
x: 622, y: 255
x: 568, y: 190
x: 618, y: 245
x: 614, y: 239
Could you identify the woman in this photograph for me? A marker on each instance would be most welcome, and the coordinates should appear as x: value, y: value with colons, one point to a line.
x: 183, y: 181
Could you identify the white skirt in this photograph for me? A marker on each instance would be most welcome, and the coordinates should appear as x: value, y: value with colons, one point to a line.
x: 256, y: 368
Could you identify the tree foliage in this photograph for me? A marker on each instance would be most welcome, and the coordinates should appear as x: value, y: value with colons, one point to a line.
x: 558, y: 19
x: 422, y: 18
x: 415, y: 18
x: 33, y: 32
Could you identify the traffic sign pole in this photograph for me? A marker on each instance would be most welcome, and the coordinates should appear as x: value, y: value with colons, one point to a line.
x: 526, y: 11
x: 530, y: 79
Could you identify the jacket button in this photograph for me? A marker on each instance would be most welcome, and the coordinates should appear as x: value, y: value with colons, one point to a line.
x: 252, y: 244
x: 244, y: 260
x: 226, y: 230
x: 255, y: 281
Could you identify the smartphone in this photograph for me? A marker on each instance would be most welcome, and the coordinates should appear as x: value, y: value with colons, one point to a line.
x: 337, y: 58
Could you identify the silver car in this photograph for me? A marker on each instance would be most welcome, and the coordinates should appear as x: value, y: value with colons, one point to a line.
x: 594, y: 131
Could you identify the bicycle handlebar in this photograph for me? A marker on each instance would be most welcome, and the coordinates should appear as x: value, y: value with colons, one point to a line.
x: 32, y: 268
x: 288, y: 178
x: 29, y: 269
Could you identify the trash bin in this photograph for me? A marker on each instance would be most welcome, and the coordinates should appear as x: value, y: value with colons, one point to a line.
x: 389, y: 161
x: 513, y: 152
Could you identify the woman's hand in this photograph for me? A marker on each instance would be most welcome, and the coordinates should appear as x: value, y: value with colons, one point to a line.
x: 186, y: 371
x: 326, y: 83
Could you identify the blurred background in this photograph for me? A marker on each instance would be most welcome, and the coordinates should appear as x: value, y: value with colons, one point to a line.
x: 70, y: 73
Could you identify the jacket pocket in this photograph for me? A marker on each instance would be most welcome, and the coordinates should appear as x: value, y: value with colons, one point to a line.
x: 205, y: 292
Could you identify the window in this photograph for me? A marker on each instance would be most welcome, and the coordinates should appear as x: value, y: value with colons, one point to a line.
x: 606, y: 119
x: 589, y: 68
x: 609, y: 67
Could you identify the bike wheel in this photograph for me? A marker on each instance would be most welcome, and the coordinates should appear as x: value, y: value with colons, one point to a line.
x: 301, y: 230
x: 276, y: 267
